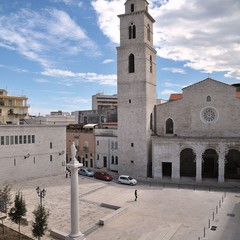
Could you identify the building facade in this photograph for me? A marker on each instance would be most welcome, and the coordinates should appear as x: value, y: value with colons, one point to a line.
x: 136, y: 88
x: 106, y: 145
x: 13, y: 109
x: 198, y: 134
x: 101, y: 102
x: 31, y: 151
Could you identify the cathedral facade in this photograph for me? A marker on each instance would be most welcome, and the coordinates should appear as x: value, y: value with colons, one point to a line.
x: 195, y: 134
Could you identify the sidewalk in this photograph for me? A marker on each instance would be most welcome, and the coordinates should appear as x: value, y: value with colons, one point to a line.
x: 161, y: 213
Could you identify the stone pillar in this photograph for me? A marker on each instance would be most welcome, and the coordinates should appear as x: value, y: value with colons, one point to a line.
x: 75, y: 234
x: 175, y: 164
x: 199, y: 150
x: 222, y: 151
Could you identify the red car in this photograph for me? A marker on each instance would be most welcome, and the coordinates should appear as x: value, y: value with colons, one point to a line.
x: 103, y: 176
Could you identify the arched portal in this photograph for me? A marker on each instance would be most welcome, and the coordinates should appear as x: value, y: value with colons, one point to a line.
x: 232, y: 167
x: 187, y: 163
x: 210, y: 164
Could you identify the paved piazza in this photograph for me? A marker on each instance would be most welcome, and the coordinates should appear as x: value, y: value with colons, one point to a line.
x: 160, y: 213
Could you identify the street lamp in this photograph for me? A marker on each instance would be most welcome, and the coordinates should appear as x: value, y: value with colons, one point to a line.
x: 41, y: 193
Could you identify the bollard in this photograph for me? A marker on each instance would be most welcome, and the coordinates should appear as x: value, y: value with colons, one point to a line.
x: 222, y: 198
x: 216, y: 209
x: 213, y: 216
x: 209, y: 223
x: 204, y: 234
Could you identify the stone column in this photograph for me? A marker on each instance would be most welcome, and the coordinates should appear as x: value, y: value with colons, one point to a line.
x: 222, y: 151
x: 175, y: 164
x: 199, y: 149
x: 75, y: 234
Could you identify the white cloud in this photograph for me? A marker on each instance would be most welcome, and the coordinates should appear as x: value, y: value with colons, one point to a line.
x: 41, y: 35
x: 106, y: 61
x: 204, y: 34
x: 76, y: 77
x: 108, y: 21
x: 174, y: 70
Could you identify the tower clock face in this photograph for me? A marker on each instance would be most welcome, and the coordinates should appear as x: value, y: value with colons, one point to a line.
x: 209, y: 115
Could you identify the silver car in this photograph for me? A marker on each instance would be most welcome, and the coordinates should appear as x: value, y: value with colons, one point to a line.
x: 125, y: 179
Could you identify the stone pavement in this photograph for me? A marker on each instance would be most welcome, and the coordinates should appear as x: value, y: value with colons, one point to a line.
x: 162, y: 211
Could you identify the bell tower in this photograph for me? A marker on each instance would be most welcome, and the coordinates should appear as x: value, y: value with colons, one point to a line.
x: 136, y: 88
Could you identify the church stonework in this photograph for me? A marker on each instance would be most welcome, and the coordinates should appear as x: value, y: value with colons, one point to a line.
x: 194, y: 136
x: 205, y: 127
x: 136, y: 88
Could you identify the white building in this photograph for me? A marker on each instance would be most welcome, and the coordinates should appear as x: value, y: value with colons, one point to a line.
x: 106, y: 148
x: 54, y: 118
x: 29, y: 151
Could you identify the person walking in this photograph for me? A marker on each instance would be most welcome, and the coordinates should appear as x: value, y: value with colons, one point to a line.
x: 135, y: 195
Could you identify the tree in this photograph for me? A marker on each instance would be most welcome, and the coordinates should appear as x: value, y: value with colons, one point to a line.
x: 19, y: 210
x: 5, y: 198
x: 40, y: 223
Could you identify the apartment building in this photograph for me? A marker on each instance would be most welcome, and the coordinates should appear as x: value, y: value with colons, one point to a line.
x: 13, y: 109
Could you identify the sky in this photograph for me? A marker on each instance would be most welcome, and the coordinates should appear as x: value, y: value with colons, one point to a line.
x: 59, y: 53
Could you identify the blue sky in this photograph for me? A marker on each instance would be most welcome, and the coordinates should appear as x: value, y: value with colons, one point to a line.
x: 59, y: 53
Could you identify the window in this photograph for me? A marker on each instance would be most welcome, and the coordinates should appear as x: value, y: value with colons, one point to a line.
x: 131, y: 63
x: 11, y: 140
x: 20, y: 139
x: 132, y: 31
x: 16, y: 139
x: 50, y: 145
x: 112, y: 159
x: 116, y: 160
x: 169, y: 126
x: 129, y: 101
x: 7, y: 140
x: 132, y: 7
x: 51, y: 158
x: 116, y: 145
x: 25, y: 139
x: 29, y: 138
x: 148, y: 33
x: 112, y: 143
x: 33, y: 138
x: 132, y: 145
x: 97, y: 142
x: 2, y: 140
x: 150, y: 64
x: 97, y: 156
x: 209, y: 99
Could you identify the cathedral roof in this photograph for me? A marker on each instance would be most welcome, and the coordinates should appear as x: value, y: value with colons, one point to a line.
x: 175, y: 96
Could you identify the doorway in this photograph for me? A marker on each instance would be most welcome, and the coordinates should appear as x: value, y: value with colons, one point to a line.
x: 167, y: 169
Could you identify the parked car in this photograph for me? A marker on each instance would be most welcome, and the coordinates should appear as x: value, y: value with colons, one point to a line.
x: 86, y: 172
x: 125, y: 179
x: 103, y: 176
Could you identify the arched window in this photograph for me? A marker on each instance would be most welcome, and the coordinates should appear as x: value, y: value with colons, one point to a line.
x: 209, y: 99
x: 132, y: 31
x: 132, y: 7
x: 150, y: 64
x: 131, y: 63
x: 169, y: 126
x: 148, y: 33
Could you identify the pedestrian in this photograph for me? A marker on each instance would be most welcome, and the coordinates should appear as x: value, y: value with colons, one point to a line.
x: 66, y: 172
x: 135, y: 195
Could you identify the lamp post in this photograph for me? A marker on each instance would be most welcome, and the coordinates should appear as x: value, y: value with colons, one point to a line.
x: 41, y: 193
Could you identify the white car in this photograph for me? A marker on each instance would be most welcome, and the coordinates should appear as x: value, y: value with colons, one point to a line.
x: 125, y: 179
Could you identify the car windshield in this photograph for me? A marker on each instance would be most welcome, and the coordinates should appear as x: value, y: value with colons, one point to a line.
x: 130, y: 178
x: 89, y: 170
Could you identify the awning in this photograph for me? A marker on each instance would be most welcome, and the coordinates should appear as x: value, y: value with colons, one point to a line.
x: 90, y: 126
